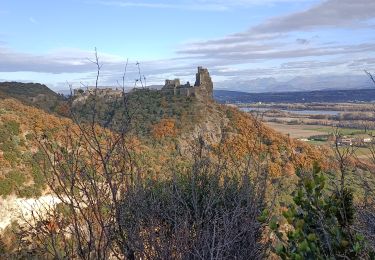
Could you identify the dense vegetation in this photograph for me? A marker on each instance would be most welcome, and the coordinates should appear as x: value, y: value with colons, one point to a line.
x: 140, y: 110
x: 34, y: 94
x: 156, y: 176
x: 20, y: 156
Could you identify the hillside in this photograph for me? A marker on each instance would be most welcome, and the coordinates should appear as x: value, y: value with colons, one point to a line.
x: 20, y: 156
x: 162, y: 124
x: 162, y: 120
x: 34, y: 94
x: 155, y: 141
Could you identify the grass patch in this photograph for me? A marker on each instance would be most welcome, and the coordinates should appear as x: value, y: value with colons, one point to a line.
x: 343, y: 131
x: 313, y: 142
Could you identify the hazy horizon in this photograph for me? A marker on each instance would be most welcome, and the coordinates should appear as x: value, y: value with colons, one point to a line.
x: 244, y: 43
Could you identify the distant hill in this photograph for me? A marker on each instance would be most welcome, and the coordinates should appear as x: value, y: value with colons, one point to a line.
x: 35, y: 94
x: 300, y: 83
x: 25, y: 90
x: 354, y: 95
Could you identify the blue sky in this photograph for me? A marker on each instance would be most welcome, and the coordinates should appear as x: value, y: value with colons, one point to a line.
x: 240, y: 41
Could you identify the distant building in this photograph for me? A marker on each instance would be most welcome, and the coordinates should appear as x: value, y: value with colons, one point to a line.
x: 357, y: 141
x: 345, y: 141
x: 203, y: 87
x: 101, y: 92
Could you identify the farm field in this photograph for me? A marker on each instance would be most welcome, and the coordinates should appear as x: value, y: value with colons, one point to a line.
x: 309, y: 131
x: 298, y: 131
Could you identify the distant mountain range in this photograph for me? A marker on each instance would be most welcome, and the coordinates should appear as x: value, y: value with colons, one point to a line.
x: 305, y: 83
x: 43, y: 97
x: 353, y: 95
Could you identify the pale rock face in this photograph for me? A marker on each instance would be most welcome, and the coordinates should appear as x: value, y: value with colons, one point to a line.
x: 210, y: 130
x: 13, y: 209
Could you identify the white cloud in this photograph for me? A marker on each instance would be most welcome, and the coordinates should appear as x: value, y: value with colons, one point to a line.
x: 57, y: 61
x: 293, y: 40
x: 280, y: 46
x: 329, y: 13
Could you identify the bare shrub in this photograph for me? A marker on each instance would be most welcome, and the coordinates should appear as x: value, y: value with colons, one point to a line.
x: 111, y: 209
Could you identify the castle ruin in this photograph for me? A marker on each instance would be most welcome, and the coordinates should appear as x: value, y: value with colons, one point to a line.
x: 203, y: 87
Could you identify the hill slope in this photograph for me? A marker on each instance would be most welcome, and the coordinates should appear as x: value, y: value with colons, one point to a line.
x: 34, y: 94
x: 20, y: 156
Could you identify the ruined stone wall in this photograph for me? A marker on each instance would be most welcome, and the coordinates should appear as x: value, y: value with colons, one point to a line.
x: 204, y: 83
x: 101, y: 92
x: 203, y: 87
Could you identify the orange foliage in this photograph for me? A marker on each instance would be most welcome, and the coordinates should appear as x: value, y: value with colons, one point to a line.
x: 250, y: 137
x: 165, y: 128
x: 64, y: 110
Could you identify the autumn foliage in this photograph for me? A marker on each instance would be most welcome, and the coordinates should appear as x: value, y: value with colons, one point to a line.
x: 164, y: 128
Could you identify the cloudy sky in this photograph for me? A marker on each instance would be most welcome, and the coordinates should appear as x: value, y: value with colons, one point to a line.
x: 242, y: 42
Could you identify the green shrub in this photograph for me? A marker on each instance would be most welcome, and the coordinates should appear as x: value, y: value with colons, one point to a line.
x: 6, y: 187
x: 11, y: 152
x: 29, y: 192
x: 181, y: 214
x: 12, y: 157
x: 321, y: 222
x: 12, y: 127
x: 29, y: 137
x: 39, y: 179
x: 16, y: 177
x: 22, y: 142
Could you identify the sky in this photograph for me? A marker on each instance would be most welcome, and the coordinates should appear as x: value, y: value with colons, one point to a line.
x: 249, y: 45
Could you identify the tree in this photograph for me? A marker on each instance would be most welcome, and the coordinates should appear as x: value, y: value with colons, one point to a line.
x: 111, y: 206
x: 320, y: 221
x: 370, y: 76
x: 164, y: 128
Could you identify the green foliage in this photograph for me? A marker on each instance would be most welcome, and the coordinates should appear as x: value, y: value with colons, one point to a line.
x: 6, y: 187
x: 191, y: 208
x: 29, y: 137
x: 29, y: 192
x: 39, y: 178
x: 321, y: 222
x: 12, y: 127
x: 9, y: 141
x: 143, y: 108
x: 34, y: 94
x: 16, y: 177
x: 14, y: 182
x: 9, y: 129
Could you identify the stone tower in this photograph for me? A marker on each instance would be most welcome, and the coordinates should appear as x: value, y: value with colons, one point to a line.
x: 202, y: 89
x: 204, y: 83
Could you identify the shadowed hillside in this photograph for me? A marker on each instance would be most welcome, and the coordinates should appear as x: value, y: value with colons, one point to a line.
x: 34, y: 94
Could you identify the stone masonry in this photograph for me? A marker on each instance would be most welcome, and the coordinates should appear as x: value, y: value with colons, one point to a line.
x: 203, y: 87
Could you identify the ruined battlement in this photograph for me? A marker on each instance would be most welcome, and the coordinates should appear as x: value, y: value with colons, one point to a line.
x: 174, y: 83
x: 203, y: 87
x: 82, y: 94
